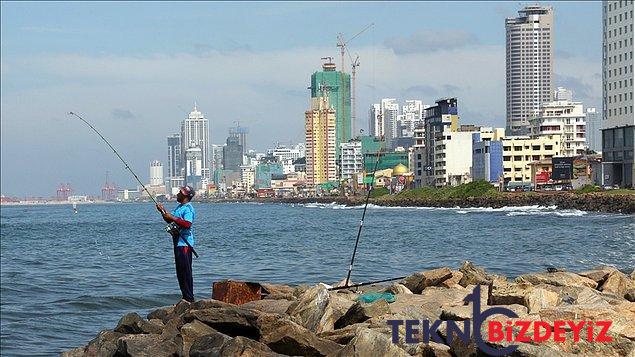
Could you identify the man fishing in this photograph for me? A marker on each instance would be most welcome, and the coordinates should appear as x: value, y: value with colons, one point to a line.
x: 182, y: 216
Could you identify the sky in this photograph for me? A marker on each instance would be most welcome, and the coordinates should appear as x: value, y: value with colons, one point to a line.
x: 135, y: 69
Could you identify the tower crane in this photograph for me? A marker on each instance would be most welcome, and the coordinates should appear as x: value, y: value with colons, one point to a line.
x: 341, y: 42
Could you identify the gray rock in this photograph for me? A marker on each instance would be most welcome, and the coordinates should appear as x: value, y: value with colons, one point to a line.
x: 129, y: 323
x: 310, y: 307
x: 144, y: 345
x: 105, y: 344
x: 271, y: 306
x: 368, y: 342
x: 233, y: 321
x: 160, y: 313
x: 75, y: 352
x: 421, y: 280
x: 361, y: 312
x: 503, y: 293
x: 539, y: 298
x: 473, y: 275
x: 557, y: 279
x: 152, y: 326
x: 287, y: 337
x: 208, y: 345
x: 193, y: 330
x: 397, y: 289
x: 244, y: 347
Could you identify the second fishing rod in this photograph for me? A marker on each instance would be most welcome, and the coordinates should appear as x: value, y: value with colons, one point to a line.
x: 171, y: 228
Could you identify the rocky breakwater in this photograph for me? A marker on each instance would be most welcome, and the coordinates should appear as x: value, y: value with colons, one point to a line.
x: 316, y: 321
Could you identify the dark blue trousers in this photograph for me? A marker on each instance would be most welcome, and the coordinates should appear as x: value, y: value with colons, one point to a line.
x: 183, y: 262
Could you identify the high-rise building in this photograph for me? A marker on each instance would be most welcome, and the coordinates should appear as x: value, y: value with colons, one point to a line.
x: 529, y: 65
x: 618, y: 124
x: 390, y: 115
x: 241, y: 133
x: 156, y: 173
x: 566, y: 119
x: 375, y: 121
x: 232, y: 154
x: 195, y: 133
x: 440, y: 120
x: 593, y: 130
x: 338, y: 88
x: 351, y: 159
x: 320, y: 134
x: 411, y: 116
x: 175, y: 157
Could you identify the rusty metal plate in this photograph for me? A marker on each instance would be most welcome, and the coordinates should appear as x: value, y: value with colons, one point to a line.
x: 236, y: 292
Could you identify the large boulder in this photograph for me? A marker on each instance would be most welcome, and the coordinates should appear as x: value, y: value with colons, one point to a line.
x: 310, y: 307
x: 244, y: 347
x: 105, y: 344
x: 622, y: 316
x: 397, y: 289
x: 278, y: 292
x: 270, y: 306
x: 598, y: 274
x: 368, y: 342
x: 361, y: 312
x: 129, y: 323
x: 421, y: 280
x: 161, y: 313
x: 473, y: 275
x: 503, y: 293
x: 208, y: 345
x: 287, y: 337
x: 146, y: 345
x: 233, y: 321
x: 560, y: 278
x: 453, y: 280
x: 193, y: 330
x: 539, y: 298
x: 616, y: 283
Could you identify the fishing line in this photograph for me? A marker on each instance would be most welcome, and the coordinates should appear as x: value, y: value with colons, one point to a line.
x: 127, y: 167
x: 361, y: 222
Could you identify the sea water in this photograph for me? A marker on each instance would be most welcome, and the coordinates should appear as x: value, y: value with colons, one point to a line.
x: 67, y: 276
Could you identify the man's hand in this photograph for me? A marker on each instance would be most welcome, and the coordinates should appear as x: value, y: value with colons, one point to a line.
x: 160, y: 208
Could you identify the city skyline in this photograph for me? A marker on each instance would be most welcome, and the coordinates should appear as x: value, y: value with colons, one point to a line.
x: 41, y: 82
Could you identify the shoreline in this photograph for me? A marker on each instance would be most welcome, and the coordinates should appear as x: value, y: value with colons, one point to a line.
x: 588, y: 202
x: 278, y: 319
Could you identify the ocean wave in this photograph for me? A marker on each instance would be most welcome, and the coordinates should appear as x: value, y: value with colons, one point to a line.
x: 509, y: 211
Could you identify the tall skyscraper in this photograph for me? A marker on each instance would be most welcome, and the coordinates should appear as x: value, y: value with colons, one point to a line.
x: 529, y: 65
x: 375, y: 121
x: 232, y: 154
x: 195, y: 133
x: 241, y: 133
x: 175, y: 157
x: 593, y: 130
x: 390, y: 114
x: 338, y: 86
x: 320, y: 134
x: 618, y: 124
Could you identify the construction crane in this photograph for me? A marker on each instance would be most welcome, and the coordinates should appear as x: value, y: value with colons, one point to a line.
x: 354, y: 64
x: 341, y: 42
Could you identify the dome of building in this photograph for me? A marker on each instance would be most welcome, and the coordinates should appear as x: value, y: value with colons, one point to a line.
x: 400, y: 169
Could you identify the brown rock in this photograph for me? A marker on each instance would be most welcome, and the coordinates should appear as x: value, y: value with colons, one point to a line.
x: 361, y: 312
x: 105, y: 344
x: 271, y: 306
x: 557, y: 279
x: 432, y: 349
x: 616, y: 283
x: 244, y: 347
x: 397, y: 289
x: 503, y: 293
x: 622, y: 316
x: 453, y: 280
x: 232, y: 321
x: 368, y: 342
x: 289, y: 338
x: 456, y: 313
x: 129, y: 323
x: 419, y: 281
x: 310, y: 307
x: 539, y: 298
x: 598, y: 274
x: 75, y: 352
x: 473, y: 275
x: 160, y: 313
x: 344, y: 335
x: 144, y: 345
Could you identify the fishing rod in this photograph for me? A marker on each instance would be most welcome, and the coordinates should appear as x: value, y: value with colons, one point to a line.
x: 127, y: 167
x: 361, y: 222
x: 366, y: 283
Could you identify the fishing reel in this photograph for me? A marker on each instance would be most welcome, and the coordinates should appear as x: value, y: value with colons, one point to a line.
x: 173, y: 229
